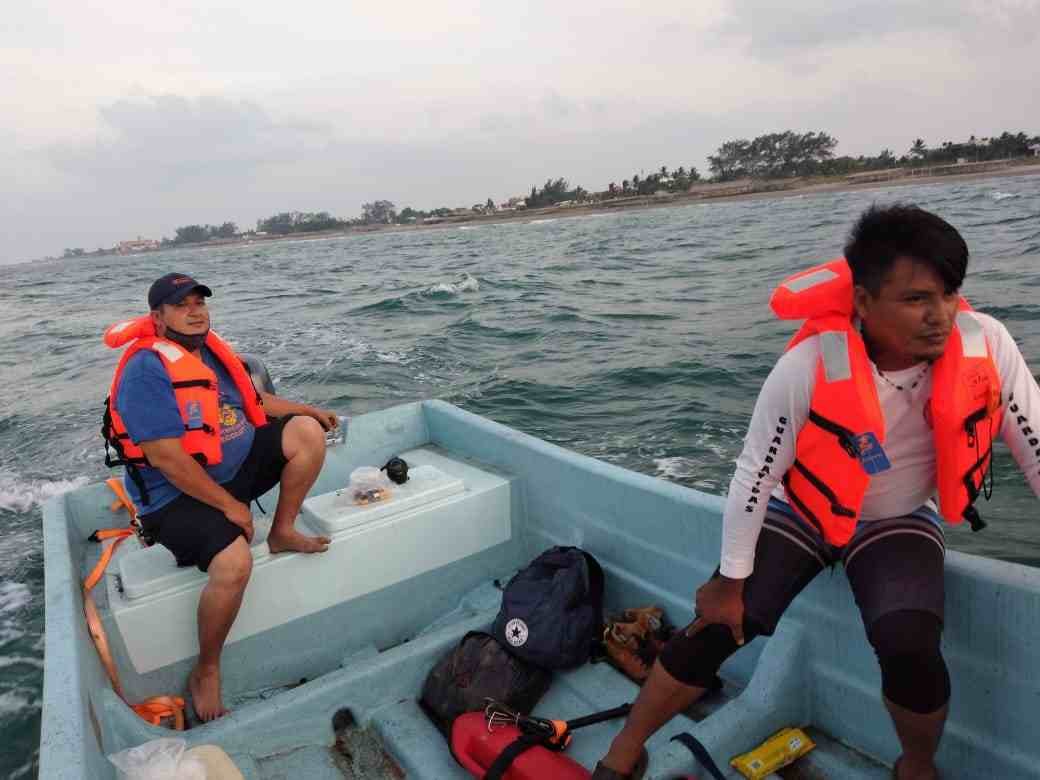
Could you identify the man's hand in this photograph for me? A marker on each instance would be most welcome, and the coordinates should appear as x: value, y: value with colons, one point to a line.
x: 720, y: 601
x: 239, y: 514
x: 329, y: 420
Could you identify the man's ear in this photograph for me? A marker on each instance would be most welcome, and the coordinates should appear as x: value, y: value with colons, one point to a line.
x: 861, y: 300
x: 157, y: 322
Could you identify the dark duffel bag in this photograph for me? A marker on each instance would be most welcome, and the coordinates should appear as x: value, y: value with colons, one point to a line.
x: 476, y: 670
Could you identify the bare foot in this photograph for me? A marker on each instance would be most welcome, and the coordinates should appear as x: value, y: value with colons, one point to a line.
x: 204, y: 685
x: 294, y: 541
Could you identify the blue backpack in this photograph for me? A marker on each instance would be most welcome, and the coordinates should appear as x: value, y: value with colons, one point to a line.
x: 552, y: 610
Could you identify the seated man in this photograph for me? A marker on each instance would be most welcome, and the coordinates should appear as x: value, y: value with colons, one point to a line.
x: 889, y: 396
x: 192, y: 431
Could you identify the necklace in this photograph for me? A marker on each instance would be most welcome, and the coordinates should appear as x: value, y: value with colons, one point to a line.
x: 915, y: 383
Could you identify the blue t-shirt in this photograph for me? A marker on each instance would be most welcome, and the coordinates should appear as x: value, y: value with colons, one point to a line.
x: 148, y: 406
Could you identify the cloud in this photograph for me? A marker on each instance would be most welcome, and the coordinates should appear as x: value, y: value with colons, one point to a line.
x: 146, y: 116
x: 170, y: 141
x: 771, y: 30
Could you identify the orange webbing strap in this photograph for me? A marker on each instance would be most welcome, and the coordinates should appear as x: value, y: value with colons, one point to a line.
x: 156, y: 708
x: 119, y: 534
x: 122, y: 499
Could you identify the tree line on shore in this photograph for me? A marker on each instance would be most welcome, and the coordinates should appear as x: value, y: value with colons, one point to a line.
x: 770, y: 156
x: 789, y: 154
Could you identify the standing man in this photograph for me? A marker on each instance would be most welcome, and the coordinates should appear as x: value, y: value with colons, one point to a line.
x: 193, y: 434
x: 887, y: 399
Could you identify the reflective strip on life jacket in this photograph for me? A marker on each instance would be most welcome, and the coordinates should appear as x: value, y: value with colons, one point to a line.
x: 973, y: 339
x: 834, y: 346
x: 800, y: 283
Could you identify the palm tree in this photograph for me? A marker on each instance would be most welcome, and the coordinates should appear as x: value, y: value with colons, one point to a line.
x: 664, y: 171
x: 919, y: 149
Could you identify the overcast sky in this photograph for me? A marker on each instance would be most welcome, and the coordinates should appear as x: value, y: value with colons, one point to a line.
x: 121, y: 118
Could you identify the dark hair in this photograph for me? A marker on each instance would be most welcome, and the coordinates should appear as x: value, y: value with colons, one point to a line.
x: 883, y: 234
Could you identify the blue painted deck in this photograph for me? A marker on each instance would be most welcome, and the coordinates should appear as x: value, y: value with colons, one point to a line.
x: 657, y: 543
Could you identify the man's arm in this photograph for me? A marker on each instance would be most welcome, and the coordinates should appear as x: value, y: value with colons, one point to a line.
x: 188, y: 476
x: 1021, y: 426
x: 769, y: 448
x: 280, y: 407
x: 780, y: 411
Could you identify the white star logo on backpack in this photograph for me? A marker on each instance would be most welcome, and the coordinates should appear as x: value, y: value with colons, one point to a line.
x: 516, y: 632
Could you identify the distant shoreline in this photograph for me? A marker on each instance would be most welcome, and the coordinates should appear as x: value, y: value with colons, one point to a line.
x: 769, y: 190
x: 707, y: 193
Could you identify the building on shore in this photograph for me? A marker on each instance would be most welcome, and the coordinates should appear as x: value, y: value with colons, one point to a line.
x: 1035, y: 149
x: 137, y: 245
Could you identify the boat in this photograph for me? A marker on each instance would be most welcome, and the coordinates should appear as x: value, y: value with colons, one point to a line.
x: 330, y: 651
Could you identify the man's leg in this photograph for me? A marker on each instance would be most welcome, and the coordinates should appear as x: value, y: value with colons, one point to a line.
x: 696, y: 659
x: 788, y: 556
x: 303, y: 445
x: 218, y: 605
x: 919, y: 735
x: 896, y: 568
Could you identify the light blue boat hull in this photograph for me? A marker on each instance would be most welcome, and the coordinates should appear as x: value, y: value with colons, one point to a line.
x: 657, y: 542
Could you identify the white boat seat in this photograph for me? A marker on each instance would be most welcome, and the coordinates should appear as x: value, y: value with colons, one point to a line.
x: 373, y: 546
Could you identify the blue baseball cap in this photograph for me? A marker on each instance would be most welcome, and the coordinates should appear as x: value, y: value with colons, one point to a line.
x: 174, y: 288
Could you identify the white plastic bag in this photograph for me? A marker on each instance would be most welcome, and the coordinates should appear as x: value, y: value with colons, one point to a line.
x: 160, y: 759
x: 368, y: 485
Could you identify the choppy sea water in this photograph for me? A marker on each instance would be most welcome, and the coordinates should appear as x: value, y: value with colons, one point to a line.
x: 639, y: 337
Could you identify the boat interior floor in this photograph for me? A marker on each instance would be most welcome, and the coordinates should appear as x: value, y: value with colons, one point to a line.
x: 363, y: 719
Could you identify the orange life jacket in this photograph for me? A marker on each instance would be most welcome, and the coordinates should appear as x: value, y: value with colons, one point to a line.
x: 194, y: 387
x: 829, y: 478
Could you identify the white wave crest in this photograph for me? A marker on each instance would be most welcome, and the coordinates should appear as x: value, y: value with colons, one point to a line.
x: 675, y: 468
x: 466, y: 284
x: 12, y: 702
x: 20, y: 660
x: 998, y: 195
x: 13, y: 596
x: 18, y: 495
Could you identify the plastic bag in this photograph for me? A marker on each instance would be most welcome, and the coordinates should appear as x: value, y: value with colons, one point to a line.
x: 368, y: 485
x: 160, y: 759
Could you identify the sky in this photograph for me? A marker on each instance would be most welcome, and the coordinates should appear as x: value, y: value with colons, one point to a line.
x: 129, y: 118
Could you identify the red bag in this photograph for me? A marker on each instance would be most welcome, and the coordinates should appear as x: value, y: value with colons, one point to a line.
x: 476, y: 748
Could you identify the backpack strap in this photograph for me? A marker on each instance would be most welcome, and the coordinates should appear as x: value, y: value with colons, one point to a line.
x: 596, y: 588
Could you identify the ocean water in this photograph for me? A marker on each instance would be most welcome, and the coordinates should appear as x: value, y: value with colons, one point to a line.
x: 639, y: 337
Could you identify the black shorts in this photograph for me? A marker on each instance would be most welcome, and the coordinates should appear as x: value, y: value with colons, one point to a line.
x: 195, y: 531
x: 892, y: 565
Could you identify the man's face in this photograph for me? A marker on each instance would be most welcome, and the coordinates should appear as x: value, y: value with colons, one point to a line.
x: 190, y: 316
x: 911, y: 317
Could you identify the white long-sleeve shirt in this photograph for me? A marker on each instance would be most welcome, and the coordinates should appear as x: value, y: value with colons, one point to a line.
x: 783, y: 408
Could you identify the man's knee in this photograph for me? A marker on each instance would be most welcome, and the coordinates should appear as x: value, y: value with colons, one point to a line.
x: 913, y: 672
x: 695, y: 660
x: 232, y: 566
x: 304, y: 434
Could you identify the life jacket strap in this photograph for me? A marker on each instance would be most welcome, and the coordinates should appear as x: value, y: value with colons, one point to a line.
x: 800, y: 505
x: 836, y: 506
x: 845, y: 437
x: 192, y: 383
